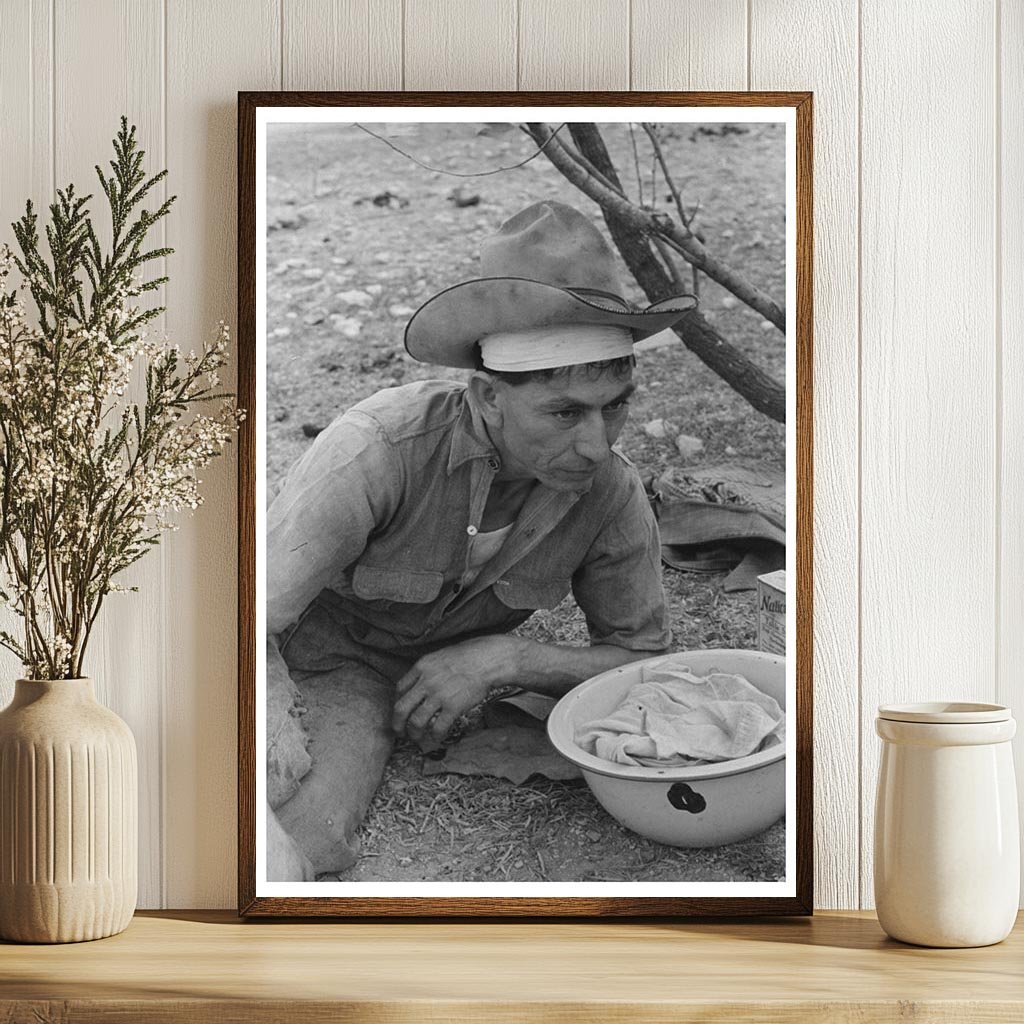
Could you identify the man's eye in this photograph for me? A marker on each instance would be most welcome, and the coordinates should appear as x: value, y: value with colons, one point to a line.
x: 616, y: 407
x: 566, y: 415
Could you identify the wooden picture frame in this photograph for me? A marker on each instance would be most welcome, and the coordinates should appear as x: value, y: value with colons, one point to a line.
x: 790, y: 895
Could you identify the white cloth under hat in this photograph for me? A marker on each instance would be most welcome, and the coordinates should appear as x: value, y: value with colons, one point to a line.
x: 548, y: 265
x: 545, y: 348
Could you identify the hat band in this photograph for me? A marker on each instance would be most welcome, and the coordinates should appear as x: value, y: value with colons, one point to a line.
x: 545, y: 348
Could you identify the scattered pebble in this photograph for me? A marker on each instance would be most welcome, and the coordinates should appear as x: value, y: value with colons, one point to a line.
x: 311, y: 429
x: 400, y: 311
x: 462, y: 198
x: 382, y: 257
x: 387, y: 198
x: 286, y: 222
x: 280, y: 332
x: 766, y: 326
x: 729, y: 450
x: 655, y: 429
x: 355, y: 297
x: 689, y: 447
x: 728, y: 233
x: 281, y: 415
x: 313, y: 274
x: 730, y: 302
x: 375, y: 289
x: 346, y: 325
x: 593, y: 836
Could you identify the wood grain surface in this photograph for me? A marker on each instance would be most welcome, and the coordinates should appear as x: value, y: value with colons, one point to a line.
x: 129, y: 676
x: 459, y: 44
x: 701, y: 44
x: 832, y: 75
x: 230, y: 45
x: 202, y: 967
x: 574, y: 44
x: 928, y: 523
x: 342, y: 44
x: 1009, y: 275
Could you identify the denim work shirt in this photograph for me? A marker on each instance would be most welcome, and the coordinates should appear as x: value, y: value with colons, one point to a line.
x: 379, y: 513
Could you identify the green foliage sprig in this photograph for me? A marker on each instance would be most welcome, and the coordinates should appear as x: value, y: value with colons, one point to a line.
x: 89, y: 477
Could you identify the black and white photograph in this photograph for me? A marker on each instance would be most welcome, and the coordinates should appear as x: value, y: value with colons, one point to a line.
x: 525, y: 502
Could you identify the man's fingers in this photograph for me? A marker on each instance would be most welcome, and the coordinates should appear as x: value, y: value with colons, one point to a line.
x: 408, y: 680
x: 421, y: 716
x: 404, y: 706
x: 442, y: 724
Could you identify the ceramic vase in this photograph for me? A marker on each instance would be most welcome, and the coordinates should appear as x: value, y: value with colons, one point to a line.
x: 947, y: 847
x: 68, y: 815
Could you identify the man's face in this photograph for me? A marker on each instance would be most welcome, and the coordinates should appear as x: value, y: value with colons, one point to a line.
x: 560, y: 430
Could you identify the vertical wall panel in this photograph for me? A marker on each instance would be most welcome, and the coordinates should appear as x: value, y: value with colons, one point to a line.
x: 342, y: 44
x: 122, y: 656
x: 26, y: 101
x: 573, y: 44
x: 26, y: 171
x: 928, y: 515
x: 942, y: 225
x: 781, y: 59
x: 460, y: 44
x: 697, y: 44
x: 1011, y: 256
x: 213, y: 51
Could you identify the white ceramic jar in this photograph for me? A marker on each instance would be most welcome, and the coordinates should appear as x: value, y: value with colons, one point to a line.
x: 947, y: 847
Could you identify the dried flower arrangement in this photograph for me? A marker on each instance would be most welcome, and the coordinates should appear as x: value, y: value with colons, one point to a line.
x: 89, y: 477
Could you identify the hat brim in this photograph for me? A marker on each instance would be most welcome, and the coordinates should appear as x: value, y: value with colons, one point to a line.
x: 447, y: 327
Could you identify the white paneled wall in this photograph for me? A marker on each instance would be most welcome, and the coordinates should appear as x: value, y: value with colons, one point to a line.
x: 919, y: 324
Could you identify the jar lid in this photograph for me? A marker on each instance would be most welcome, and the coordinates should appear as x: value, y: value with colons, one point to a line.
x: 945, y: 712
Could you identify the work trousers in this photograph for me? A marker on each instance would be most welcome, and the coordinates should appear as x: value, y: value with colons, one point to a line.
x: 348, y: 692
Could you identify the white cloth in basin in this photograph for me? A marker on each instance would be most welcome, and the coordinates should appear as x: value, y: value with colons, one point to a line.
x: 673, y: 717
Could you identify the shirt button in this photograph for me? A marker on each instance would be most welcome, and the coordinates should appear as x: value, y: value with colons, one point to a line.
x: 472, y: 531
x: 492, y: 463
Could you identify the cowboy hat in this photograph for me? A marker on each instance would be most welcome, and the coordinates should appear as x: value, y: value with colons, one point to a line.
x: 547, y: 265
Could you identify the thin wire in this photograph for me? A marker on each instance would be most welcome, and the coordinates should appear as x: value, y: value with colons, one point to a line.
x: 462, y: 174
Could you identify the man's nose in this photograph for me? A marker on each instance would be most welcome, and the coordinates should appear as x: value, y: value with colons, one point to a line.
x: 592, y: 441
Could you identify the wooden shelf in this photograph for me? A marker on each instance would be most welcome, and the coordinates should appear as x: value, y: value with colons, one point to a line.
x: 210, y: 967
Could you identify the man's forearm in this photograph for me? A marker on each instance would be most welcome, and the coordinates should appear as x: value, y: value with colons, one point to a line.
x: 554, y: 669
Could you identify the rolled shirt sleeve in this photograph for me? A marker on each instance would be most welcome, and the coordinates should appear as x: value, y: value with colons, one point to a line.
x: 347, y: 483
x: 619, y: 586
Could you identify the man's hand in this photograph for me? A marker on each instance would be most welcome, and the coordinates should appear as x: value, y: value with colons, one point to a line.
x: 444, y: 684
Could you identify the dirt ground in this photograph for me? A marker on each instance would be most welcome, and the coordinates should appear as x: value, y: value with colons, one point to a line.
x: 359, y: 236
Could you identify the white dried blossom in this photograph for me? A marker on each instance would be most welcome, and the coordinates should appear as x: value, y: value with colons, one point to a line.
x: 88, y: 483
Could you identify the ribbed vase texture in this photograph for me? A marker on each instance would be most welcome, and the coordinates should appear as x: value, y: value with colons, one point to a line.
x: 68, y: 815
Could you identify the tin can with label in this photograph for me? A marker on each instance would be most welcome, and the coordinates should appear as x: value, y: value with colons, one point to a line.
x: 771, y: 612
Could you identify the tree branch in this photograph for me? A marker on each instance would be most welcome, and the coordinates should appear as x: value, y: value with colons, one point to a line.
x: 658, y: 224
x: 763, y: 393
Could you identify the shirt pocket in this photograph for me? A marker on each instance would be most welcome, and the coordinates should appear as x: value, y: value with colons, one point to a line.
x: 405, y: 586
x: 531, y: 592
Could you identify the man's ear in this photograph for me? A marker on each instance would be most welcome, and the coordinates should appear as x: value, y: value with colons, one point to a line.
x: 483, y: 390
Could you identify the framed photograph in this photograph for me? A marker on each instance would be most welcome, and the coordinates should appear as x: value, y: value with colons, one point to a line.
x: 525, y: 504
